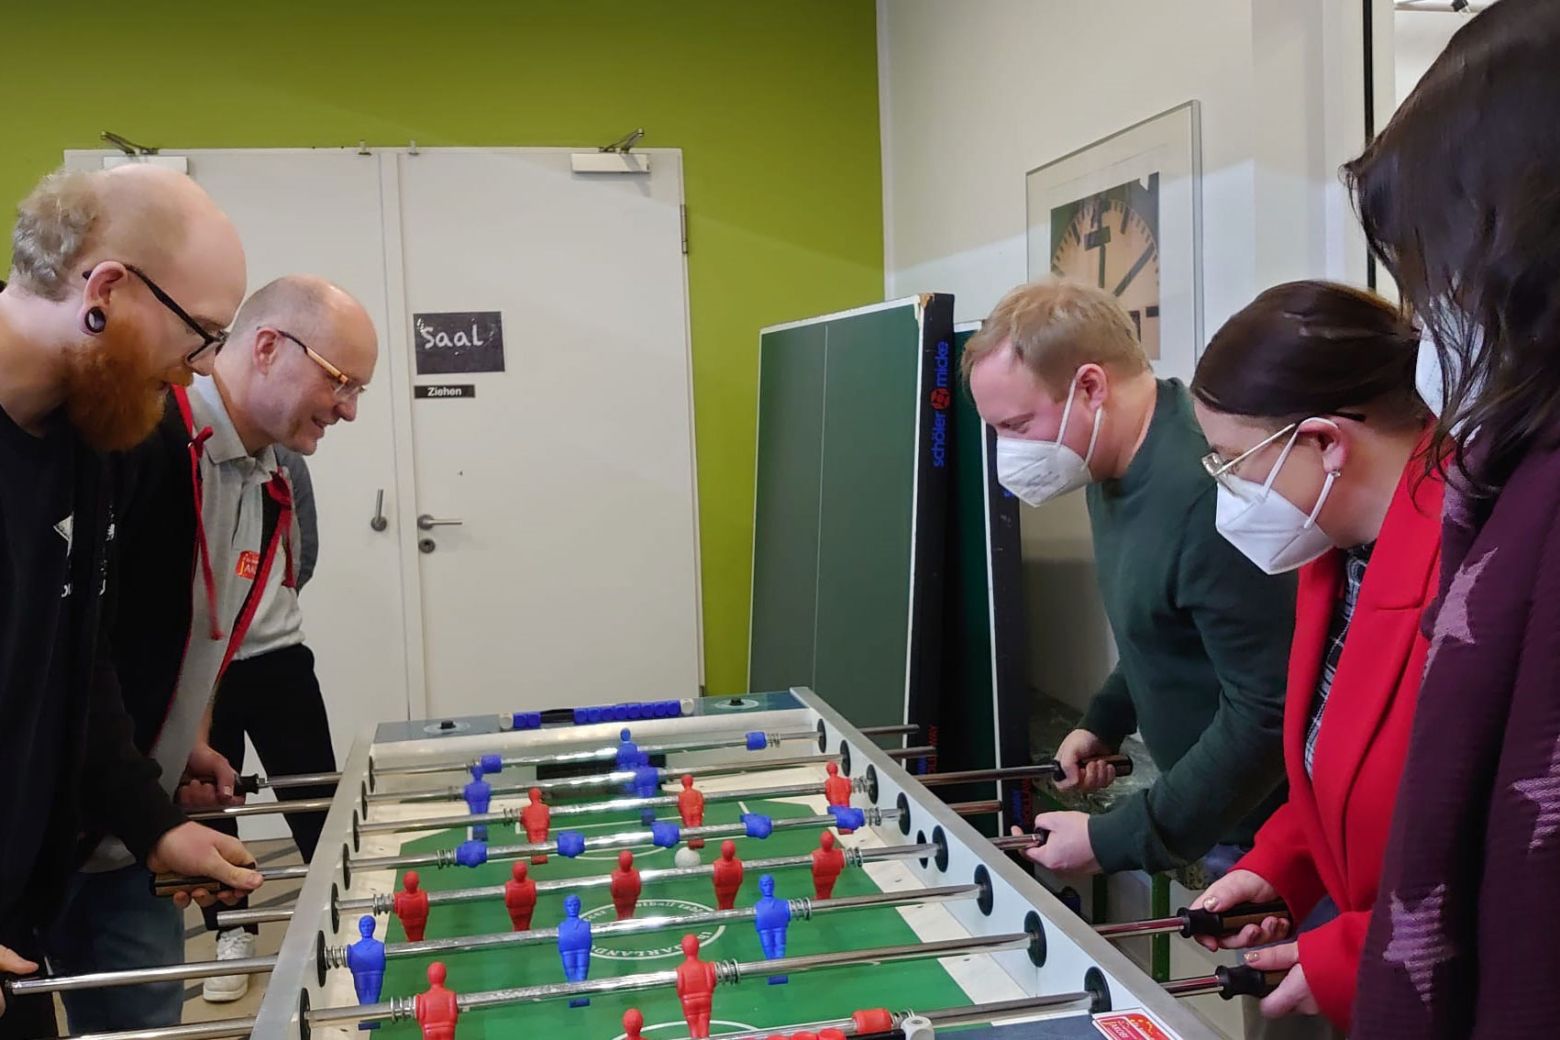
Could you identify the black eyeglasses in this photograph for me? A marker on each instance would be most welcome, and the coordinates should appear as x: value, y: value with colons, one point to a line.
x: 212, y: 341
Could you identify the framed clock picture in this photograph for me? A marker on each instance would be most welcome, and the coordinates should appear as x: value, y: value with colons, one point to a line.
x: 1124, y: 213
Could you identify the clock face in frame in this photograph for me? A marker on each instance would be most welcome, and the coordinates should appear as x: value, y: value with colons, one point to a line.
x: 1111, y: 239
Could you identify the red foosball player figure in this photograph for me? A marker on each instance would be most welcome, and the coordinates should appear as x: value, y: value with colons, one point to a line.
x: 872, y: 1020
x: 437, y: 1009
x: 828, y: 861
x: 633, y: 1024
x: 831, y: 1034
x: 728, y: 876
x: 411, y: 906
x: 625, y: 886
x: 520, y: 897
x: 536, y: 818
x: 690, y: 804
x: 695, y: 987
x: 836, y: 788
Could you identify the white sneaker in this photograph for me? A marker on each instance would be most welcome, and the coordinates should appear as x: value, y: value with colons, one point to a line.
x: 232, y: 944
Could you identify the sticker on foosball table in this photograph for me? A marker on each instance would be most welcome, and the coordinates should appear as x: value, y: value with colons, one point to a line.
x: 1132, y: 1025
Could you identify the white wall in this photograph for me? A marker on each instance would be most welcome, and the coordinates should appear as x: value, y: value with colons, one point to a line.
x: 978, y: 92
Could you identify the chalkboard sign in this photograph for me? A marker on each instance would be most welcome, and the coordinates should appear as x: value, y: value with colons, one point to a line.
x: 458, y: 341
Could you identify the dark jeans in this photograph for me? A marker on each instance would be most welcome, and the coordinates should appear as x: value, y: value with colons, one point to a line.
x: 275, y: 699
x: 111, y: 921
x: 26, y: 1018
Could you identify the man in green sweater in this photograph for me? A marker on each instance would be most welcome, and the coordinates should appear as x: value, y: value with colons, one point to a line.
x: 1202, y: 635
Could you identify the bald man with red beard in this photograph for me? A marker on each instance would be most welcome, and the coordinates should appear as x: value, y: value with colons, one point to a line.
x: 119, y: 282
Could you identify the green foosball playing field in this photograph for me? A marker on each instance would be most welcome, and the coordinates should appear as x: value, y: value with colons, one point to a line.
x: 828, y: 993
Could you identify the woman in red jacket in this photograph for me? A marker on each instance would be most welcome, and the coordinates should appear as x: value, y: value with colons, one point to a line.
x: 1307, y: 398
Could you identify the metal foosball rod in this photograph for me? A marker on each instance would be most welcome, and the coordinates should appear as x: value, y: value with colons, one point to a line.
x: 890, y: 731
x: 1227, y: 982
x: 217, y: 1029
x: 241, y: 918
x: 1019, y: 842
x: 228, y: 812
x: 757, y: 740
x: 476, y: 853
x: 802, y: 909
x: 726, y: 972
x: 253, y: 783
x: 1051, y: 770
x: 1190, y: 921
x: 621, y: 840
x: 168, y: 884
x: 596, y: 781
x: 611, y: 805
x: 384, y: 902
x: 882, y: 1024
x: 877, y: 1021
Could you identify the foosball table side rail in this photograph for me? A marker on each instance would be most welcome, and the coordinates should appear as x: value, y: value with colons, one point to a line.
x: 1067, y: 956
x: 295, y: 981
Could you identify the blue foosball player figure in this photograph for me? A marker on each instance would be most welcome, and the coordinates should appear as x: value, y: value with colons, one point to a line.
x: 772, y: 917
x: 574, y: 945
x: 478, y: 793
x: 628, y: 756
x: 366, y: 961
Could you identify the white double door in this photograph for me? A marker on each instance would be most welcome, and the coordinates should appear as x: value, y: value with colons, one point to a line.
x: 572, y: 576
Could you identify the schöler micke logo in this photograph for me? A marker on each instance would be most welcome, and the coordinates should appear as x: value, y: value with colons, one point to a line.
x: 941, y: 397
x: 608, y: 912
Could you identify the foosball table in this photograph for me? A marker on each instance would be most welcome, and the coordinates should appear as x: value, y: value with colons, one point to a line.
x: 752, y: 866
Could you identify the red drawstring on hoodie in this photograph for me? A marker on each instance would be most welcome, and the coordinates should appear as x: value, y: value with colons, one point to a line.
x: 281, y: 492
x: 202, y: 552
x: 277, y: 487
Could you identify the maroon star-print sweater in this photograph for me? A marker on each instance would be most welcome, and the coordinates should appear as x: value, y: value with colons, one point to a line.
x: 1465, y: 938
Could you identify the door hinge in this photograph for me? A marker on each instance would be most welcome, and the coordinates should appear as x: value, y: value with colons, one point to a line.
x: 683, y: 214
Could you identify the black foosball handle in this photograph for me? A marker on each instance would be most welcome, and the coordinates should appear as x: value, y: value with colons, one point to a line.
x: 1122, y: 764
x: 1221, y: 923
x: 1241, y: 980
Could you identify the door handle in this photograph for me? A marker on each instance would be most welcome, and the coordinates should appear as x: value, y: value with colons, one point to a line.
x: 378, y: 521
x: 428, y: 522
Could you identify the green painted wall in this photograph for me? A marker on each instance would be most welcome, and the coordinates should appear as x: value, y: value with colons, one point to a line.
x: 774, y: 104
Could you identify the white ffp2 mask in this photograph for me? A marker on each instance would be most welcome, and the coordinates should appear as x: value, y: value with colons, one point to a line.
x: 1266, y: 527
x: 1427, y: 366
x: 1038, y: 471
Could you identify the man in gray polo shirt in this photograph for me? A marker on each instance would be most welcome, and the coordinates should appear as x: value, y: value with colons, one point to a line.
x: 270, y: 694
x: 207, y: 500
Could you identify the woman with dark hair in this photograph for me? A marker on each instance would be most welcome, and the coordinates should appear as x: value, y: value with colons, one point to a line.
x: 1460, y: 199
x: 1307, y: 398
